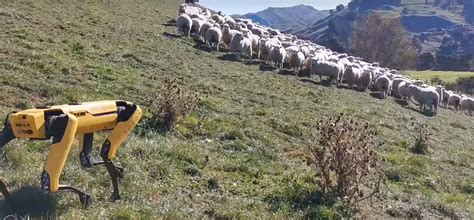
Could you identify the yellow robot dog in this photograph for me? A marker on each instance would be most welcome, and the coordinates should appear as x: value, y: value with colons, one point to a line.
x: 63, y: 123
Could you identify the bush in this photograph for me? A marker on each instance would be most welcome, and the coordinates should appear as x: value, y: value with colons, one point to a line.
x: 344, y: 160
x: 169, y: 105
x: 423, y: 141
x: 437, y: 81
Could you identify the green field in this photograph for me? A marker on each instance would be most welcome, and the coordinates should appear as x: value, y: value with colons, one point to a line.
x: 252, y: 125
x: 447, y: 76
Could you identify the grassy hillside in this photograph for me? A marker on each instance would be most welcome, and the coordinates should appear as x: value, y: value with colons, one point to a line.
x: 252, y: 125
x: 446, y: 76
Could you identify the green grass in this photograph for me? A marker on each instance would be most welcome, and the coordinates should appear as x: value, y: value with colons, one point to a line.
x: 252, y: 125
x: 446, y: 76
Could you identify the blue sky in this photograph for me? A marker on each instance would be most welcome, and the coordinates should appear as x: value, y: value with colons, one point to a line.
x: 245, y: 6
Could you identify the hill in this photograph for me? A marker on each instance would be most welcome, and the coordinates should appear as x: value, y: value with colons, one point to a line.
x: 442, y: 35
x: 286, y: 17
x: 253, y: 126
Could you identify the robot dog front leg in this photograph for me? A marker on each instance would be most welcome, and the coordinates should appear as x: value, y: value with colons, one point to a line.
x: 63, y: 129
x: 128, y: 117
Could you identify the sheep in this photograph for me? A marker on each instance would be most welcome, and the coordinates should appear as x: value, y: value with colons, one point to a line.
x: 439, y: 89
x: 364, y: 80
x: 213, y: 37
x: 205, y: 26
x: 265, y: 46
x: 231, y: 23
x: 184, y: 24
x: 277, y: 54
x: 250, y: 26
x: 403, y: 91
x: 289, y: 44
x: 255, y: 39
x: 455, y: 100
x: 446, y: 95
x: 241, y: 44
x: 296, y: 61
x: 273, y: 32
x: 258, y: 31
x: 327, y: 68
x: 384, y: 85
x: 467, y: 104
x: 189, y: 10
x: 218, y: 18
x: 263, y: 49
x: 305, y: 50
x: 395, y: 84
x: 351, y: 75
x: 425, y: 97
x: 198, y: 16
x: 228, y: 34
x: 196, y: 27
x: 206, y: 13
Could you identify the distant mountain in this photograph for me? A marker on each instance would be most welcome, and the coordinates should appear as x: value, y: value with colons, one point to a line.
x: 442, y: 35
x: 287, y: 18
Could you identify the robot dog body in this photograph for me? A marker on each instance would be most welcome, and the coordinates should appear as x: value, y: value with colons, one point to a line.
x: 63, y: 123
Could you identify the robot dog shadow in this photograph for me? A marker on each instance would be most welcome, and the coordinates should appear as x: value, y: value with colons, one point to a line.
x: 28, y: 202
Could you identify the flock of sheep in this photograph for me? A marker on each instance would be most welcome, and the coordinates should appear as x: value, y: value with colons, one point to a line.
x: 243, y: 37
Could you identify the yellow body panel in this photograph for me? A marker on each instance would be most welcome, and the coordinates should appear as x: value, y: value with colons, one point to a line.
x: 28, y: 124
x: 91, y: 116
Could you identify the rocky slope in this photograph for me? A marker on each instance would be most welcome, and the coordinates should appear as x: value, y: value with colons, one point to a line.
x: 441, y: 34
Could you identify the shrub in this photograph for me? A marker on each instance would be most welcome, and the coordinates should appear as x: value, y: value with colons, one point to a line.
x: 437, y: 81
x: 423, y: 141
x: 344, y: 160
x: 170, y: 104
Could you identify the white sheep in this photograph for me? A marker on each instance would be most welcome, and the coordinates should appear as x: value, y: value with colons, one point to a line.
x: 266, y: 45
x: 351, y: 75
x: 364, y: 80
x: 213, y: 37
x: 240, y: 45
x: 228, y: 34
x: 258, y: 31
x: 384, y: 85
x: 439, y: 89
x: 395, y: 84
x: 467, y: 104
x: 446, y: 95
x: 296, y: 61
x: 207, y: 13
x: 277, y: 54
x: 454, y: 100
x: 184, y: 24
x: 255, y: 39
x: 403, y: 91
x: 196, y: 27
x: 425, y: 97
x: 218, y: 19
x: 327, y: 68
x: 204, y: 27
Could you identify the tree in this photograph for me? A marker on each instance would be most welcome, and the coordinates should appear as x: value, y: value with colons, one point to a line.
x: 384, y: 40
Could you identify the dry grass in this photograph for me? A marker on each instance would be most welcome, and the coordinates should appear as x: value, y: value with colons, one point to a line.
x: 345, y: 161
x: 170, y: 104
